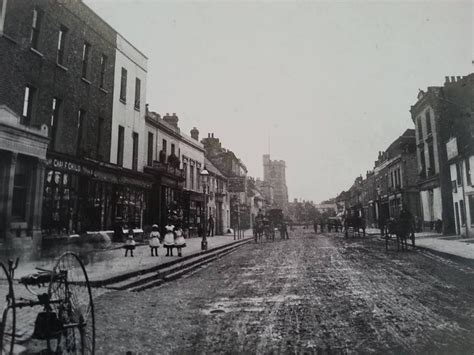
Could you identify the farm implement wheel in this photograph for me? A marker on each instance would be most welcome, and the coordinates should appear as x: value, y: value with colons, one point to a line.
x: 8, y: 315
x: 71, y: 298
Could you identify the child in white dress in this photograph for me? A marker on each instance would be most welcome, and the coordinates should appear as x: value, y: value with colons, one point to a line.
x: 179, y: 240
x: 154, y: 240
x: 169, y: 240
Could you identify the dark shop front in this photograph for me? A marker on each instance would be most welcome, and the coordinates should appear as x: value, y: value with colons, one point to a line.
x: 83, y: 195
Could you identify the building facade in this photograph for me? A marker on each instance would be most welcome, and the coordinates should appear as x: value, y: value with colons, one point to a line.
x: 59, y: 60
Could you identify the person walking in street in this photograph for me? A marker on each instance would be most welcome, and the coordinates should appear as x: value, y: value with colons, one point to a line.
x: 154, y: 240
x: 211, y: 227
x: 315, y: 226
x: 284, y: 230
x: 179, y: 240
x: 169, y: 239
x: 129, y: 243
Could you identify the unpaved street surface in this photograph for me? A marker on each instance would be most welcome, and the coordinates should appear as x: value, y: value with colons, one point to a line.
x: 310, y: 294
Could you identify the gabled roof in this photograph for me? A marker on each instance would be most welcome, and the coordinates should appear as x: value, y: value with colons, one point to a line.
x: 212, y: 168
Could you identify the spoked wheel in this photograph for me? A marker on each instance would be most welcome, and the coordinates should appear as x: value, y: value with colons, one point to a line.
x: 71, y: 298
x: 8, y: 315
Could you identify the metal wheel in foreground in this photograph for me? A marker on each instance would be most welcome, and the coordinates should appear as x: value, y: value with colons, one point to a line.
x: 71, y: 297
x: 8, y: 315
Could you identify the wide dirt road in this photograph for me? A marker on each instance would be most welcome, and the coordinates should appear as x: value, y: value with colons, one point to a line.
x: 311, y: 294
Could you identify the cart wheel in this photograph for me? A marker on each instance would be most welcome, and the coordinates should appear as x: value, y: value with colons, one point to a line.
x: 70, y: 286
x: 7, y: 307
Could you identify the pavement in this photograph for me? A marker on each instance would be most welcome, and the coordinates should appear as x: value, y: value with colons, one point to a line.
x: 451, y: 246
x: 104, y: 264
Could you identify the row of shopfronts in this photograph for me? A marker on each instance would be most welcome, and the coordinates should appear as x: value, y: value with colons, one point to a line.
x: 81, y: 195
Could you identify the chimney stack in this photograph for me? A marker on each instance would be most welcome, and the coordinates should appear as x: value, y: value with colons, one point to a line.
x: 171, y: 120
x: 195, y: 134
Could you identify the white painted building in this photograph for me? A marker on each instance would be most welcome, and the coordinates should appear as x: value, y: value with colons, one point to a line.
x: 128, y: 115
x: 462, y: 184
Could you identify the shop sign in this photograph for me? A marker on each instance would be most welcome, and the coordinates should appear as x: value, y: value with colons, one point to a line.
x: 237, y: 184
x: 69, y: 166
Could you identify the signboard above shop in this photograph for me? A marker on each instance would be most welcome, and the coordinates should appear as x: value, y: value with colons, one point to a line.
x: 237, y: 184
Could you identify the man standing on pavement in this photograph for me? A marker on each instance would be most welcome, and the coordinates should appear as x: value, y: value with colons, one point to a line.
x: 211, y: 227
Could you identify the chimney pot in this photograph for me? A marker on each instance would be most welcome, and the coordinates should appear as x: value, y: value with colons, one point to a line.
x: 453, y: 79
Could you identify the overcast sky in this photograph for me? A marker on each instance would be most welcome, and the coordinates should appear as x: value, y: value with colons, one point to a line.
x: 329, y: 84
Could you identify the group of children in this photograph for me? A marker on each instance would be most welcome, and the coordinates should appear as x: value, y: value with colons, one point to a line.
x: 174, y: 238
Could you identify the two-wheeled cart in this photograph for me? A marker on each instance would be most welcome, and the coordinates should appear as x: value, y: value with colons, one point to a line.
x: 66, y: 323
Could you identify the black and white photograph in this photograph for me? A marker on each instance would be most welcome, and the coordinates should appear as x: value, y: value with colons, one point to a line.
x: 236, y: 177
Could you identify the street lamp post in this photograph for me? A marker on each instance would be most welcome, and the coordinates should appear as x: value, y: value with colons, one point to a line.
x: 204, y: 177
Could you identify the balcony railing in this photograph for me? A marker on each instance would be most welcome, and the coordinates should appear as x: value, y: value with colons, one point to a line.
x: 167, y: 169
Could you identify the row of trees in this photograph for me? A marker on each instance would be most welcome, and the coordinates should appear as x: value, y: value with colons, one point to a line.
x: 306, y: 212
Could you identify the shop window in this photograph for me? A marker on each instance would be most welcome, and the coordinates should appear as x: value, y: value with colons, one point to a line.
x: 135, y: 151
x: 20, y: 188
x: 35, y: 28
x: 150, y: 149
x: 137, y: 93
x: 86, y: 49
x: 471, y: 208
x: 28, y: 104
x: 103, y: 67
x: 61, y: 44
x: 123, y: 86
x: 120, y: 145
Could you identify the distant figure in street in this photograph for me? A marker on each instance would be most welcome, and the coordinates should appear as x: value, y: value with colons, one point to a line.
x: 169, y: 239
x: 118, y: 231
x: 405, y: 226
x: 284, y: 230
x: 315, y: 226
x: 211, y: 227
x: 382, y: 225
x: 179, y: 241
x: 329, y: 226
x: 129, y: 243
x: 154, y: 240
x: 321, y: 224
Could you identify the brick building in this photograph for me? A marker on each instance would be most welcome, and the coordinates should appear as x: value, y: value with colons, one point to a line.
x: 59, y: 60
x: 395, y: 176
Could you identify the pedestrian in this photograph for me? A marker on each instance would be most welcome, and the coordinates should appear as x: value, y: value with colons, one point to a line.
x: 315, y: 226
x: 322, y: 226
x: 118, y: 231
x: 129, y: 243
x: 179, y: 240
x: 169, y: 239
x: 154, y: 240
x: 284, y: 230
x: 211, y: 227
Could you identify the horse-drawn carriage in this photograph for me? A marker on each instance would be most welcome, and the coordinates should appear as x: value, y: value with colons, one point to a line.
x: 354, y: 225
x: 267, y: 225
x: 400, y: 229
